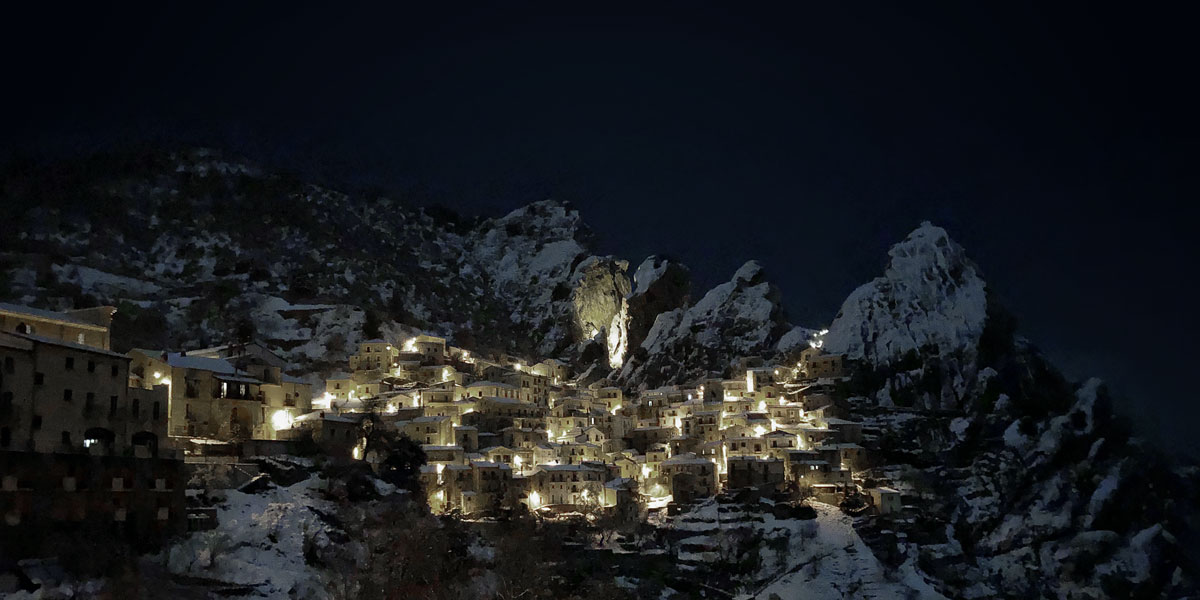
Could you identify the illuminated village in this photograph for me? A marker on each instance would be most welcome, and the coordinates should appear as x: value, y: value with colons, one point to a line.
x: 496, y: 432
x: 501, y: 431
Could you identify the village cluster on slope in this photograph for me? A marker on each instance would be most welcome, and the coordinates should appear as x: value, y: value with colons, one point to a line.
x: 501, y: 431
x: 496, y: 431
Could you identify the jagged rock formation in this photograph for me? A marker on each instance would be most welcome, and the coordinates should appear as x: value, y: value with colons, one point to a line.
x: 600, y: 309
x: 660, y: 285
x: 741, y: 317
x: 1035, y: 488
x: 315, y: 270
x: 1029, y: 486
x: 929, y: 295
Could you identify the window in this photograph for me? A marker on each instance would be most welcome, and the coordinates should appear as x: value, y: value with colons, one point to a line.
x: 37, y: 422
x: 89, y: 399
x: 66, y: 395
x: 136, y: 407
x: 91, y: 366
x: 79, y: 338
x: 5, y: 437
x: 155, y: 411
x: 9, y: 366
x: 70, y: 363
x: 116, y: 370
x: 112, y: 406
x: 39, y: 379
x: 66, y: 438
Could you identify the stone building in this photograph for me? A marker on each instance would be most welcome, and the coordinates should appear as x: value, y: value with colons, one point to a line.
x: 77, y: 444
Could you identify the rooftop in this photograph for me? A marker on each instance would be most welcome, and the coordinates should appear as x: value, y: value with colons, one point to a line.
x: 64, y: 344
x: 49, y: 315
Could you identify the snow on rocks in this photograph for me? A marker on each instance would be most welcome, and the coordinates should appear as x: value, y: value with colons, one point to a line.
x: 261, y: 541
x: 741, y: 317
x: 930, y: 293
x: 831, y: 561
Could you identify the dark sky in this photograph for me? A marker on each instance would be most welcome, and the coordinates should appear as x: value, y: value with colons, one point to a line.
x: 1058, y: 146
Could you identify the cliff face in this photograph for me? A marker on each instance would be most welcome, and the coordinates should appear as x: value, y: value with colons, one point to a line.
x: 600, y: 310
x: 660, y: 285
x: 929, y: 295
x: 741, y: 317
x: 208, y: 249
x: 1026, y: 485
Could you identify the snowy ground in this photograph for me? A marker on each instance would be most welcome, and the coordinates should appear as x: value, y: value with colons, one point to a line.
x: 825, y: 557
x: 260, y: 541
x: 836, y: 562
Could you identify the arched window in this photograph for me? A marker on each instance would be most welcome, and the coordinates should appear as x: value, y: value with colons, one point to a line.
x: 24, y: 328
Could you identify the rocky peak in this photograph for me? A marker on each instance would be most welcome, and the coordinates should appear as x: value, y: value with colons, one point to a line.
x: 660, y: 285
x: 930, y: 294
x: 741, y: 317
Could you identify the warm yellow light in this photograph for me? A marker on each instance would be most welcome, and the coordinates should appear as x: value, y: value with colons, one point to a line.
x: 282, y: 419
x: 517, y: 460
x: 157, y: 375
x: 357, y: 453
x: 535, y: 499
x: 645, y: 471
x: 616, y: 408
x: 759, y: 430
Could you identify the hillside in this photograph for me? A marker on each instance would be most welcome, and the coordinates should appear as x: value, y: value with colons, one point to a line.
x: 1024, y: 484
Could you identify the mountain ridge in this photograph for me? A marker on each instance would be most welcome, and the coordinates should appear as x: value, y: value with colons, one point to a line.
x: 1031, y: 485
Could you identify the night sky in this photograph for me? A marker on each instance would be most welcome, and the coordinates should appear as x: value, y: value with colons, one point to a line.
x: 1057, y: 147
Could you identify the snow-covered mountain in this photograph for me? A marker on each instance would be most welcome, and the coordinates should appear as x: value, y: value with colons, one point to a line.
x: 204, y: 249
x: 741, y: 317
x: 1027, y: 485
x: 929, y: 295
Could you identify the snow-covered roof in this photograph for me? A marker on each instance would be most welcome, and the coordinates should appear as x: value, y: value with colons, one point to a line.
x: 65, y: 344
x: 619, y: 483
x: 571, y: 467
x: 200, y: 363
x: 236, y: 378
x: 485, y: 464
x: 39, y: 313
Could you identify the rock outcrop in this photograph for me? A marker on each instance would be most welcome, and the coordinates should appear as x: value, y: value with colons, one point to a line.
x: 600, y: 287
x: 660, y: 285
x: 741, y: 317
